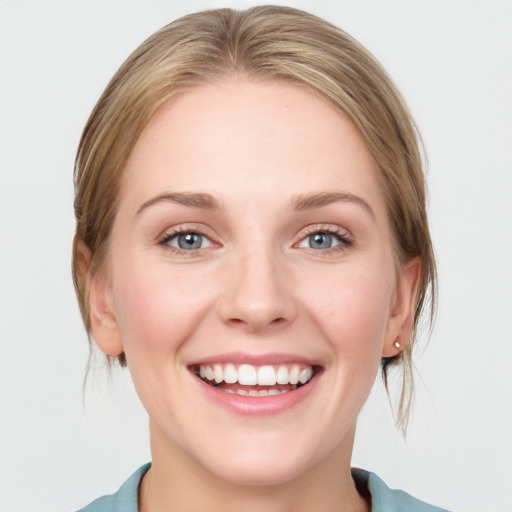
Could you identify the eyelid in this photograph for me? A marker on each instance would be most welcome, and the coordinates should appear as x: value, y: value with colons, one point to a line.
x: 181, y: 227
x: 170, y: 233
x: 332, y: 229
x: 172, y: 237
x: 344, y: 237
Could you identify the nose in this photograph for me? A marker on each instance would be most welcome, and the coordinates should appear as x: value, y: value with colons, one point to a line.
x: 257, y: 294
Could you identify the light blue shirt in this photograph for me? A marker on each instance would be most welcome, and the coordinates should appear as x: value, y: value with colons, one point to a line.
x: 383, y: 498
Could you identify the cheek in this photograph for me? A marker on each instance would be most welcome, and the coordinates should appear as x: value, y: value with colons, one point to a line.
x: 352, y: 308
x: 158, y: 309
x: 157, y: 306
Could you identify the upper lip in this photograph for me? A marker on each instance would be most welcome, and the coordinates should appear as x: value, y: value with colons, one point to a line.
x: 255, y: 359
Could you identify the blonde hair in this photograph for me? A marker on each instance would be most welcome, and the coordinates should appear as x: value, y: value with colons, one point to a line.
x: 262, y: 43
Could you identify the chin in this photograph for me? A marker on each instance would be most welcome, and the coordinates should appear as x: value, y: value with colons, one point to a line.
x: 261, y: 472
x: 263, y: 460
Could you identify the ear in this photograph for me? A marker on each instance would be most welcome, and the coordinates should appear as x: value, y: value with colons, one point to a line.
x: 98, y: 290
x: 401, y: 319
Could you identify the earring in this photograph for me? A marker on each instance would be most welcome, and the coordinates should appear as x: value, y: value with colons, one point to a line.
x: 397, y: 344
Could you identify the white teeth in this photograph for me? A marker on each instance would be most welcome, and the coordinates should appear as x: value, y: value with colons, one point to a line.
x: 305, y: 375
x: 249, y: 375
x: 230, y: 374
x: 218, y: 373
x: 293, y: 377
x: 266, y: 376
x: 209, y: 373
x: 282, y: 375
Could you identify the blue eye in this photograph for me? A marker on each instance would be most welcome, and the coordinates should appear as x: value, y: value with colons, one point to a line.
x: 321, y: 241
x: 187, y: 241
x: 325, y: 240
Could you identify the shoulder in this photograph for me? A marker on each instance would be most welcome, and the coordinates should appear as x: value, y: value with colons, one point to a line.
x: 124, y: 500
x: 385, y: 499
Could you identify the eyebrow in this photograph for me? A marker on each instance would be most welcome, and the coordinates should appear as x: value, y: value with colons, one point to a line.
x: 298, y: 203
x: 194, y: 200
x: 319, y: 199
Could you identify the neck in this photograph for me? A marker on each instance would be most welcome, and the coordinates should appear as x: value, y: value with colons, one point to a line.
x: 176, y: 481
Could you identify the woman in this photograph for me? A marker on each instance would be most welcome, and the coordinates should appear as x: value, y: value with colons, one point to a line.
x: 252, y: 242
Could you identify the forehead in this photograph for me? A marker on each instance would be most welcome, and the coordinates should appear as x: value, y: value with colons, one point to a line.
x: 239, y: 138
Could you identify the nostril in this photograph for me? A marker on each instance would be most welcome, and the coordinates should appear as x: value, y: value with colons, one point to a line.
x: 256, y: 324
x: 235, y: 321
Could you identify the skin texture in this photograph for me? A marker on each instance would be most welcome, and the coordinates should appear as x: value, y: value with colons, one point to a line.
x: 255, y: 287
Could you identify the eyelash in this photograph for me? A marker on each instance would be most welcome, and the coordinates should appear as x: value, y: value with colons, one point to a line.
x: 345, y: 241
x: 181, y: 230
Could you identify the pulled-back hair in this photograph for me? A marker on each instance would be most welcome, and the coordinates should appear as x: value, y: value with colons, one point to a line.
x: 260, y: 44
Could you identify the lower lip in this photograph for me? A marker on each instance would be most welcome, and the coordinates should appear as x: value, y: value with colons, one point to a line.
x: 257, y: 405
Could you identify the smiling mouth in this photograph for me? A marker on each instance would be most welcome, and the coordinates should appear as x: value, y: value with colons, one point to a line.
x: 255, y: 381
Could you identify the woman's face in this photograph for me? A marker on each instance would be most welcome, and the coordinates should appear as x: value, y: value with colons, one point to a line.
x: 252, y: 245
